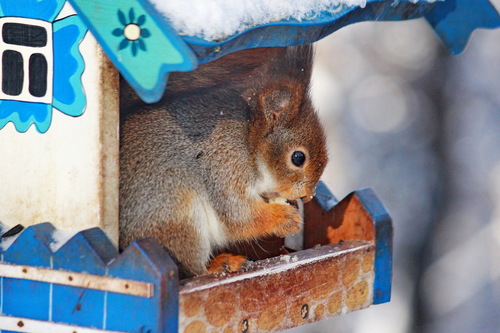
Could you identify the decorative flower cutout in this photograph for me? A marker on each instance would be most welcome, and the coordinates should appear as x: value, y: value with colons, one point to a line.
x: 133, y: 31
x: 41, y: 65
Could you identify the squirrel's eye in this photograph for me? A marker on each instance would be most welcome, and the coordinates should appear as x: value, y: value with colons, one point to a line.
x: 298, y: 158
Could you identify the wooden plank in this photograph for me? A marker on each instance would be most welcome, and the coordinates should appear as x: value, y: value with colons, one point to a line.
x: 146, y: 260
x: 383, y: 241
x: 31, y: 248
x: 348, y: 220
x: 82, y: 306
x: 20, y: 324
x: 358, y: 218
x: 31, y: 288
x: 281, y: 292
x: 361, y: 216
x: 74, y: 279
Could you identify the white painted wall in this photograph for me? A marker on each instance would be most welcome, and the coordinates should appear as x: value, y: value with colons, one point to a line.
x: 69, y: 175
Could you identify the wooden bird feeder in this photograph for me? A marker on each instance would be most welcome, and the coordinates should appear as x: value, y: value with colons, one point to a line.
x: 345, y: 266
x: 59, y: 142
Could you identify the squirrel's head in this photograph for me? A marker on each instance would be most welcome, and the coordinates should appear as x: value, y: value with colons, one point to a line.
x: 286, y: 134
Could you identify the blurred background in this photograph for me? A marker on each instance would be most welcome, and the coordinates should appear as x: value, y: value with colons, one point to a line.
x: 422, y: 128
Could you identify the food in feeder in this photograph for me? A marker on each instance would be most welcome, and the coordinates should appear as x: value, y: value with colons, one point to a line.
x: 278, y: 201
x: 275, y: 198
x: 223, y: 157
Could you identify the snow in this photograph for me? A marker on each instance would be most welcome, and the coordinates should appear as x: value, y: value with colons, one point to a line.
x: 59, y: 238
x: 6, y: 242
x: 218, y: 19
x: 285, y: 258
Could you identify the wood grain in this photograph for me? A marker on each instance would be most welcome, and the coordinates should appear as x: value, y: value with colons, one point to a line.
x: 280, y: 292
x: 348, y: 220
x: 76, y: 279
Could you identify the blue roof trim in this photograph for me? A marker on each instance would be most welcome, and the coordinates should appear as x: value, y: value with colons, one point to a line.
x: 145, y: 60
x: 293, y: 32
x: 455, y: 20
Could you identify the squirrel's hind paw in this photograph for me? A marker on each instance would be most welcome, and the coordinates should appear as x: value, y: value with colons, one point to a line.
x: 226, y: 262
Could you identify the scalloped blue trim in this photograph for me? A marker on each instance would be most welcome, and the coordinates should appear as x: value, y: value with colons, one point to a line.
x: 455, y: 20
x: 69, y: 96
x: 25, y: 114
x: 46, y: 10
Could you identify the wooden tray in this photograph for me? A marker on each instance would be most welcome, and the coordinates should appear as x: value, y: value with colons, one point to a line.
x: 87, y: 286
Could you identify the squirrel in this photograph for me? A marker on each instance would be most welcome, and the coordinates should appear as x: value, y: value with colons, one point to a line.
x: 222, y: 157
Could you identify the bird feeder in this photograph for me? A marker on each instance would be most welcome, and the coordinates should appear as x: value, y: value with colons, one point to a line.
x: 59, y: 142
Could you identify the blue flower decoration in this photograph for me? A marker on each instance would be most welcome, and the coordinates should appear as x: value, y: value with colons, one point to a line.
x: 55, y: 65
x: 132, y: 31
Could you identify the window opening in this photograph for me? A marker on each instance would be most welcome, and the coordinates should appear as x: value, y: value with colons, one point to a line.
x: 26, y: 50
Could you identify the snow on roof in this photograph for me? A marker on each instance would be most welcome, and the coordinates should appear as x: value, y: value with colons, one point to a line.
x: 218, y: 19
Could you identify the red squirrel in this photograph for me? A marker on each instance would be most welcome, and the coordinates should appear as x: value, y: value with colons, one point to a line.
x: 223, y: 156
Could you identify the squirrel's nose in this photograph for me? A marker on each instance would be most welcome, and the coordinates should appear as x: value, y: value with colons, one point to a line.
x: 307, y: 198
x: 309, y: 194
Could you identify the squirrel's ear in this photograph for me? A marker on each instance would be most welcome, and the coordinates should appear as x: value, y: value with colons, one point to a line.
x: 280, y: 104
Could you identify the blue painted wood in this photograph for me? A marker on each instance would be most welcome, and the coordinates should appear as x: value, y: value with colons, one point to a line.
x: 26, y: 298
x: 145, y: 260
x: 25, y: 109
x: 145, y: 62
x: 90, y: 251
x: 383, y: 244
x: 324, y: 197
x: 80, y: 306
x: 292, y: 32
x: 379, y: 217
x: 455, y: 20
x: 147, y: 70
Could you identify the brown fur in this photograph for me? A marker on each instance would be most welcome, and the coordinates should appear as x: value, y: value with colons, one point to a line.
x: 200, y: 152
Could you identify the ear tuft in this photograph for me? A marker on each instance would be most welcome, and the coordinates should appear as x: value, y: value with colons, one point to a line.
x: 280, y: 104
x: 276, y: 101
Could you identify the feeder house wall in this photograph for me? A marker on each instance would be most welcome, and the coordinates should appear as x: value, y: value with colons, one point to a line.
x: 61, y: 166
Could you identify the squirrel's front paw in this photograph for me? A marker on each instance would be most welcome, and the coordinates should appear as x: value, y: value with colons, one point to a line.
x: 290, y: 223
x: 272, y: 219
x: 226, y: 262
